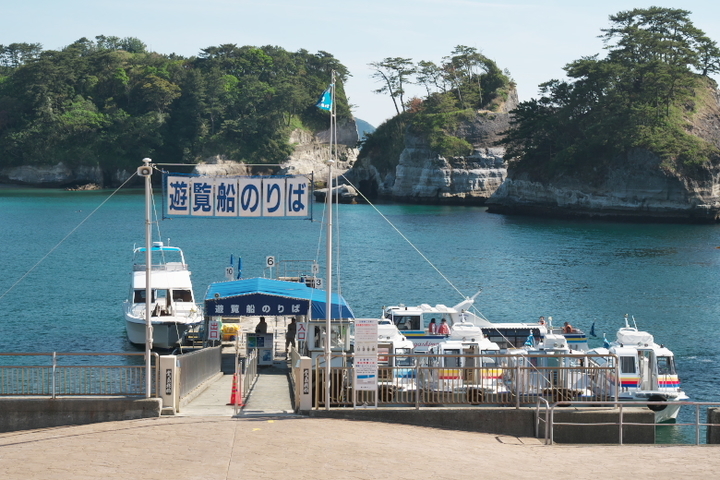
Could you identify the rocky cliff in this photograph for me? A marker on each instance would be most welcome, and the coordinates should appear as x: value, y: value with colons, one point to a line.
x: 423, y: 176
x: 636, y: 186
x: 311, y: 153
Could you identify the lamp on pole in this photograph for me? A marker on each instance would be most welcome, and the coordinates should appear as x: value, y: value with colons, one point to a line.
x: 146, y: 171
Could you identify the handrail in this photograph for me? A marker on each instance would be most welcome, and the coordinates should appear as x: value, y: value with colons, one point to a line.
x: 55, y: 379
x: 549, y: 440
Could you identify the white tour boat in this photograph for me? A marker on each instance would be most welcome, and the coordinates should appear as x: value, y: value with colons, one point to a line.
x: 172, y: 306
x: 646, y: 373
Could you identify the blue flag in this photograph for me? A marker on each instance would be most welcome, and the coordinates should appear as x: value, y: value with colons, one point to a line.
x: 325, y: 101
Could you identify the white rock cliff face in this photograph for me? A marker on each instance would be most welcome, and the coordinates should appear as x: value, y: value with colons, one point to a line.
x: 636, y: 187
x: 313, y: 151
x: 422, y: 176
x: 58, y: 175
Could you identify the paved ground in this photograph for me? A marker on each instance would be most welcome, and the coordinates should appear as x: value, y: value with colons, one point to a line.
x: 291, y: 447
x: 206, y: 442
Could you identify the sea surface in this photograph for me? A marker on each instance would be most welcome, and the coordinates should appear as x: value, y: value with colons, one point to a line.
x: 66, y: 257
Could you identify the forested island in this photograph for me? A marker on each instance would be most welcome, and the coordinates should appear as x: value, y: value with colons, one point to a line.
x: 109, y: 102
x: 634, y: 133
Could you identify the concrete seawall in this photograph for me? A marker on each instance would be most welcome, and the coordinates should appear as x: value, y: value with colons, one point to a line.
x: 519, y: 423
x: 32, y: 413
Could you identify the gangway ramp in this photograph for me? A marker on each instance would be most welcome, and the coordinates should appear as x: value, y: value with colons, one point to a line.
x: 269, y: 396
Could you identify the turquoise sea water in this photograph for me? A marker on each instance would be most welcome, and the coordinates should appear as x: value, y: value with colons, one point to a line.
x: 666, y: 276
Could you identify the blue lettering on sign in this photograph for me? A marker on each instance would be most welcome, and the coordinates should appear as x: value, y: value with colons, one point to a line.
x: 249, y: 198
x: 226, y: 197
x: 178, y: 196
x: 201, y: 197
x: 273, y: 189
x: 295, y: 202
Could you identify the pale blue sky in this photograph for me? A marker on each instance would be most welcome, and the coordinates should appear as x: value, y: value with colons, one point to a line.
x: 533, y: 39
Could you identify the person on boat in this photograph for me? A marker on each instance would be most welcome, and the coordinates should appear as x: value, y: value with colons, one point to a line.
x: 542, y: 320
x: 568, y: 328
x: 290, y: 334
x: 262, y: 326
x: 444, y: 328
x: 432, y: 328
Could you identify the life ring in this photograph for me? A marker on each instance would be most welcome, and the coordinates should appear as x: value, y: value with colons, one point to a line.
x: 657, y: 398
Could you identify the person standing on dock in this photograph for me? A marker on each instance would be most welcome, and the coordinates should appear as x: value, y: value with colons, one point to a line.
x: 290, y: 334
x: 262, y: 326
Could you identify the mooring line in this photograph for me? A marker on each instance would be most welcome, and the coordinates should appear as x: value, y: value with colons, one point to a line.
x: 65, y: 238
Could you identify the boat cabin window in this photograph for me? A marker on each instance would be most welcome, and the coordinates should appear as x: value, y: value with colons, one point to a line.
x: 139, y: 296
x: 665, y: 366
x: 452, y: 358
x: 489, y: 361
x: 627, y: 365
x: 407, y: 322
x: 182, y: 296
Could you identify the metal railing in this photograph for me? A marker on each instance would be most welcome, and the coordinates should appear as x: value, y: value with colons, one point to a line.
x: 250, y: 373
x: 70, y: 374
x: 197, y: 367
x: 485, y: 379
x: 550, y: 423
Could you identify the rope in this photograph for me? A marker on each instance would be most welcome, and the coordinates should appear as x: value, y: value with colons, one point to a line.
x: 65, y: 238
x: 405, y: 238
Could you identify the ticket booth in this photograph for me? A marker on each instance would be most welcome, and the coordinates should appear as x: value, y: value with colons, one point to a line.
x: 265, y: 346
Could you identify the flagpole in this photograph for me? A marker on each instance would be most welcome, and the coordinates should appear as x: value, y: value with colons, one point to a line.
x: 328, y: 244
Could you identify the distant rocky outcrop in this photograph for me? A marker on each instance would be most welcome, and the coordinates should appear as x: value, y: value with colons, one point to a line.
x: 636, y: 186
x: 423, y: 176
x: 54, y: 176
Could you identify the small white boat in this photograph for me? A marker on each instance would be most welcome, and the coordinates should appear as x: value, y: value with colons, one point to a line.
x: 418, y: 323
x: 173, y: 307
x: 646, y: 373
x: 550, y: 369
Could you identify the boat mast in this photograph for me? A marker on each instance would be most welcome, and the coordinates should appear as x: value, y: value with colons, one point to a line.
x: 146, y: 171
x: 328, y: 245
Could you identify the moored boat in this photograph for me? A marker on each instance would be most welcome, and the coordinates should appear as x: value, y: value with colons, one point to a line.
x: 173, y: 310
x: 645, y: 373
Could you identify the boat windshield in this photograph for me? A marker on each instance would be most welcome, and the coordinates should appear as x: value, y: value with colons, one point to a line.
x: 665, y: 366
x: 401, y: 360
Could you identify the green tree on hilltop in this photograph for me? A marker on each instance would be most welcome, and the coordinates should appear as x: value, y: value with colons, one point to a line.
x: 639, y: 96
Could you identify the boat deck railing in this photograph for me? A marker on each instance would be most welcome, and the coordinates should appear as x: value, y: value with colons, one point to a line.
x: 165, y: 267
x: 546, y: 423
x: 56, y: 374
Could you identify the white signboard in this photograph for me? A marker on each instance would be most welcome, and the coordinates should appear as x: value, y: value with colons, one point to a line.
x: 205, y: 196
x: 365, y: 364
x: 366, y: 370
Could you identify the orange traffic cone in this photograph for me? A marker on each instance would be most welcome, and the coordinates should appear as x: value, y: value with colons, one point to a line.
x: 236, y: 393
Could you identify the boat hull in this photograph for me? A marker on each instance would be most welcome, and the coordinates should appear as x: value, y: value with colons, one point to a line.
x: 166, y: 334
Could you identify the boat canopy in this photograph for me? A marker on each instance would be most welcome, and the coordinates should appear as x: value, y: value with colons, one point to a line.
x: 264, y: 296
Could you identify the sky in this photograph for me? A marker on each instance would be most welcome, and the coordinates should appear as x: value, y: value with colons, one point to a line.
x: 533, y: 39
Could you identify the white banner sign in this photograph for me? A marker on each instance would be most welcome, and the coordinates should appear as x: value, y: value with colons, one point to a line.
x: 247, y: 197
